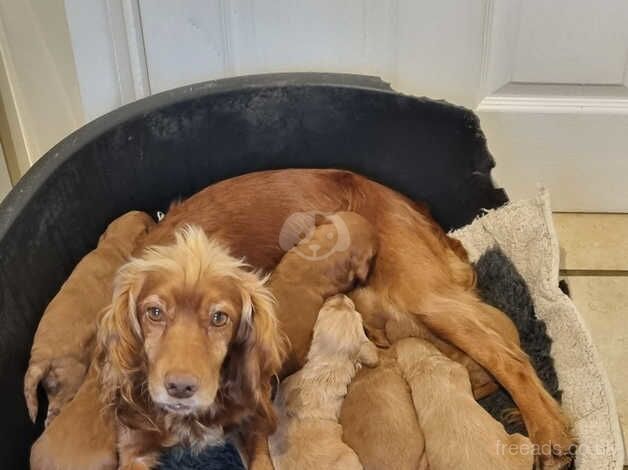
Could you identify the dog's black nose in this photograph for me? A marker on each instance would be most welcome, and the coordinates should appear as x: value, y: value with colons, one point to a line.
x: 181, y: 385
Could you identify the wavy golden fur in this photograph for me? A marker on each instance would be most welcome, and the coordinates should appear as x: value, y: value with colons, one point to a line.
x: 233, y: 365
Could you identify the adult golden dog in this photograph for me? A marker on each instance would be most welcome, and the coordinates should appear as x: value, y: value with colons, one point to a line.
x: 187, y: 350
x: 419, y: 271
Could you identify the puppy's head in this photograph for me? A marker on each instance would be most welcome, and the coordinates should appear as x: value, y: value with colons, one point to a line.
x: 339, y: 331
x: 339, y: 246
x: 186, y: 321
x: 354, y: 261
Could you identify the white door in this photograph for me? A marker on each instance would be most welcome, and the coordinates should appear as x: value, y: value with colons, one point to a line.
x: 555, y: 99
x: 548, y: 78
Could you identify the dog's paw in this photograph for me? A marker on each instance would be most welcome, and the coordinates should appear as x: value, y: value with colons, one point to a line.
x: 556, y: 462
x: 556, y: 452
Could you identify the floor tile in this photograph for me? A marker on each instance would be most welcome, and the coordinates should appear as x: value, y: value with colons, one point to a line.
x: 593, y: 241
x: 603, y: 302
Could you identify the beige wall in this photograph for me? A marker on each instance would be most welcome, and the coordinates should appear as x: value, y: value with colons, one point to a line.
x: 5, y: 182
x: 38, y: 83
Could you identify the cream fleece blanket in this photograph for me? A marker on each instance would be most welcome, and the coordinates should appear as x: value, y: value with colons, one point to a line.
x: 525, y: 233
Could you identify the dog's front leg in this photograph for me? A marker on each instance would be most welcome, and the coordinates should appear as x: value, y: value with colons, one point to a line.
x: 457, y: 316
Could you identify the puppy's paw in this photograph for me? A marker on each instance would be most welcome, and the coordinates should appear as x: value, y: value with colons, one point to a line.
x: 368, y: 355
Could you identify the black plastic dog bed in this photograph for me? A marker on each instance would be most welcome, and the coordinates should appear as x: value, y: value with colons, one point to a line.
x: 144, y: 155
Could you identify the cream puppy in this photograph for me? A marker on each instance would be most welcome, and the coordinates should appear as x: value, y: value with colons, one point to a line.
x: 308, y: 435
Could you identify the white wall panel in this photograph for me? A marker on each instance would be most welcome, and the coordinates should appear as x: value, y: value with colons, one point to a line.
x: 572, y: 41
x: 185, y: 42
x: 439, y: 49
x: 582, y: 159
x: 424, y: 48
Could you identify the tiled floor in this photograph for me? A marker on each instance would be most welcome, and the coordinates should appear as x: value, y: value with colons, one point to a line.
x: 594, y: 261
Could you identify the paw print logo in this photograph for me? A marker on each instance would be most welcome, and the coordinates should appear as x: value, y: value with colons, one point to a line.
x: 300, y: 228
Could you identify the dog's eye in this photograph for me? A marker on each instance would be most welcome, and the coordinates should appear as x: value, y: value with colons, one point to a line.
x: 219, y: 318
x: 154, y: 313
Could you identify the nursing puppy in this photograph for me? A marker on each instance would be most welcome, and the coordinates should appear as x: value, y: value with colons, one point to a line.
x: 63, y: 344
x: 308, y: 435
x: 458, y: 432
x: 329, y: 259
x: 378, y: 417
x: 81, y: 437
x: 379, y: 421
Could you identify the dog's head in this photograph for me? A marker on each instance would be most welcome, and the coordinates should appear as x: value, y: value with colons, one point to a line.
x: 339, y: 331
x: 189, y: 328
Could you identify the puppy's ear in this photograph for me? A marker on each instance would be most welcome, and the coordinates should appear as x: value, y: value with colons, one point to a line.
x: 368, y: 355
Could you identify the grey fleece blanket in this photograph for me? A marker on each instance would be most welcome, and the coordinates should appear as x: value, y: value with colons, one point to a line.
x: 501, y: 286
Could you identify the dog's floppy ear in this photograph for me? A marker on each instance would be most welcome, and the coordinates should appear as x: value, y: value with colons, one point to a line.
x: 257, y: 353
x: 368, y: 355
x: 119, y: 341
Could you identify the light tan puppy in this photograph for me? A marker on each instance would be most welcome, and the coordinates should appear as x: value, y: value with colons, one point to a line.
x: 63, y: 344
x: 378, y: 418
x: 308, y: 435
x: 82, y: 437
x: 458, y: 432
